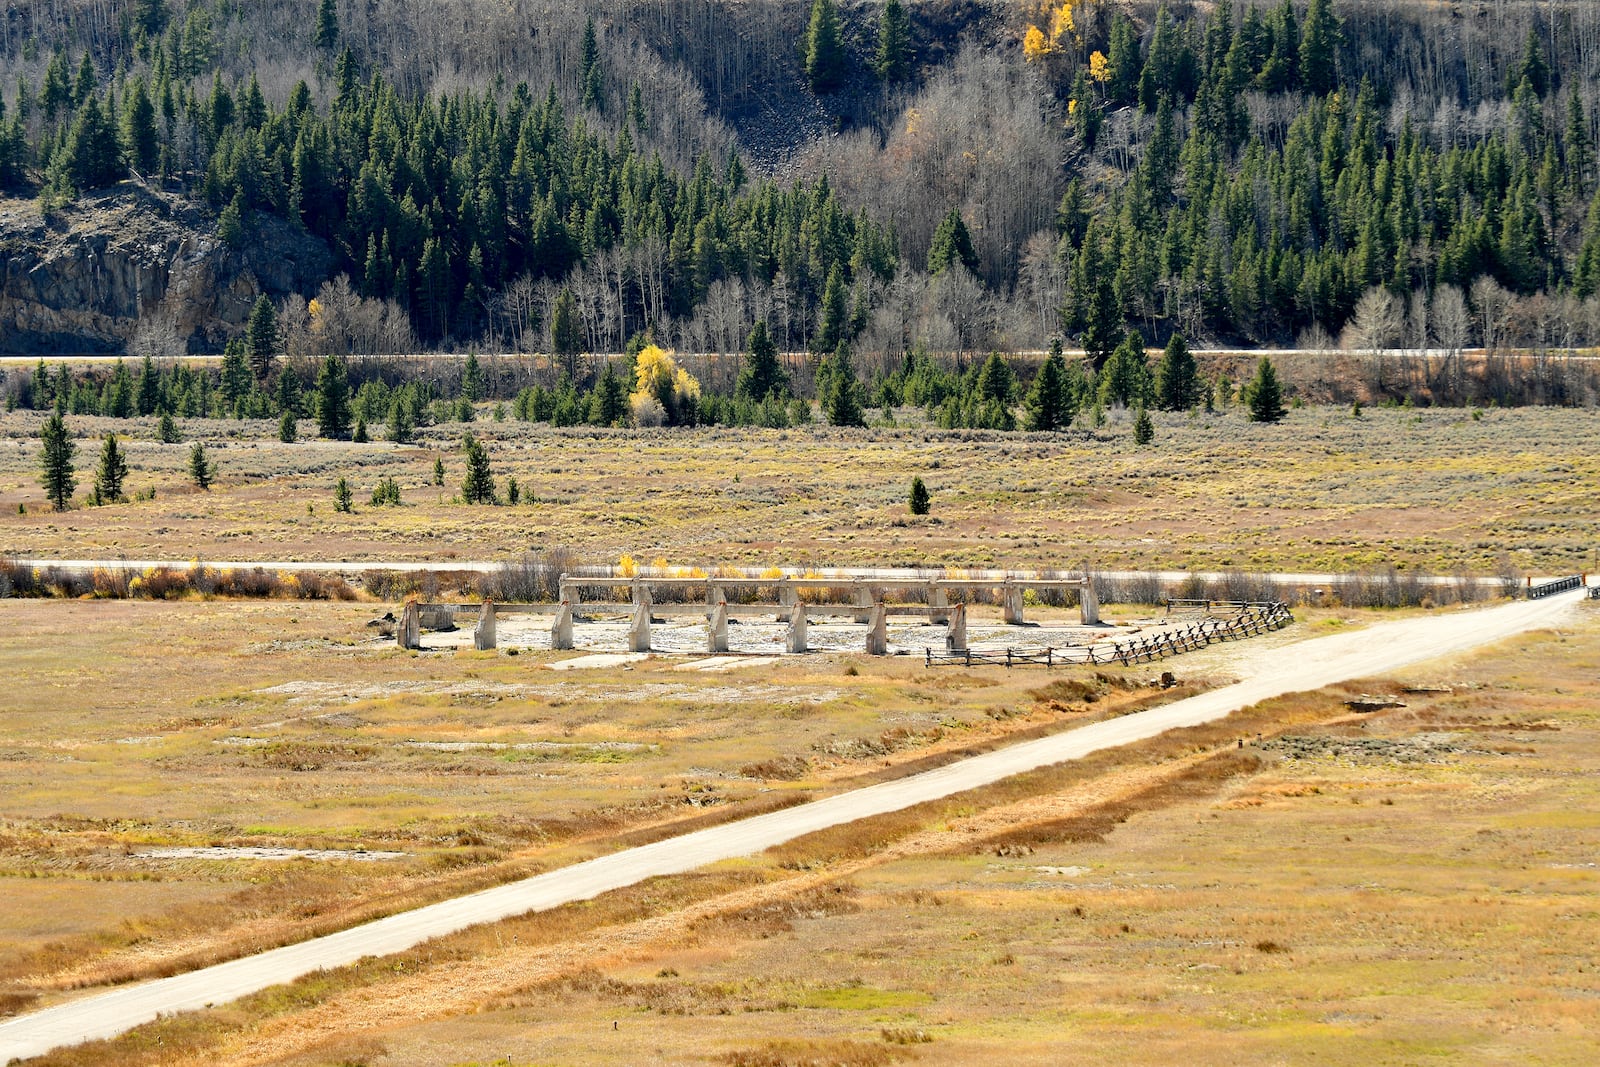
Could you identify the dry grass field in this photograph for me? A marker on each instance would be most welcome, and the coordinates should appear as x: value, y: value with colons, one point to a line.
x: 1440, y: 489
x: 1296, y: 884
x: 131, y: 726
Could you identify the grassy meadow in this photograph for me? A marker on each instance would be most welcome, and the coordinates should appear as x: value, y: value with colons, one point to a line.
x: 1443, y: 490
x: 133, y: 725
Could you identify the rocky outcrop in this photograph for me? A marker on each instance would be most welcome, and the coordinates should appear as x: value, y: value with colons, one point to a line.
x: 89, y: 277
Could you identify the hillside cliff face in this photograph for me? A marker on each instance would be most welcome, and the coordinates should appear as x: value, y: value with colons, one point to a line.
x: 82, y: 279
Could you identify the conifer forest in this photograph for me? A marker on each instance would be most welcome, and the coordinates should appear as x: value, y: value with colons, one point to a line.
x: 920, y: 184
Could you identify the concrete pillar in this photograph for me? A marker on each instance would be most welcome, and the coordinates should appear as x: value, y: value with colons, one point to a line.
x: 715, y: 595
x: 1012, y: 595
x: 797, y: 629
x: 568, y: 593
x: 561, y: 632
x: 639, y: 632
x: 878, y: 631
x: 1089, y: 601
x: 864, y: 597
x: 717, y: 628
x: 955, y: 638
x: 938, y: 596
x: 409, y: 633
x: 788, y: 597
x: 483, y: 636
x: 640, y: 591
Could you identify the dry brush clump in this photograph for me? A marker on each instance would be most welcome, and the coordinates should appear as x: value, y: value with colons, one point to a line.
x: 168, y: 583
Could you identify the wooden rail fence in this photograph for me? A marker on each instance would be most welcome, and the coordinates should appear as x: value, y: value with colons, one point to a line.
x: 1251, y: 620
x: 1554, y: 586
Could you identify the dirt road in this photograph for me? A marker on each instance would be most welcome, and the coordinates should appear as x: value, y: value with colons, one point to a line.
x: 1306, y: 665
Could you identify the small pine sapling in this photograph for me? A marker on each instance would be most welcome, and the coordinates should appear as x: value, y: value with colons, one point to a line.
x: 201, y: 469
x: 920, y: 501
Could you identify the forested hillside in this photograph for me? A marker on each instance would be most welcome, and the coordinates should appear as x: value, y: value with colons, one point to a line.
x: 956, y: 174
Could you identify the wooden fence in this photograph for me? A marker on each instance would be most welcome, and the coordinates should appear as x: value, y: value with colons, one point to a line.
x: 1251, y: 620
x: 1554, y: 586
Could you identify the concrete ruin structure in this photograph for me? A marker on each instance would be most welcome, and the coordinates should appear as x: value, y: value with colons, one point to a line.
x: 869, y: 600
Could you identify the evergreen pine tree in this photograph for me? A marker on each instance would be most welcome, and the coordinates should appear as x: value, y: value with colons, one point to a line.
x: 609, y: 405
x: 327, y: 25
x: 1586, y: 273
x: 150, y: 16
x: 230, y: 223
x: 919, y: 500
x: 93, y: 158
x: 761, y: 374
x: 1319, y: 49
x: 261, y: 337
x: 1265, y: 394
x: 1144, y: 431
x: 401, y: 426
x: 996, y: 381
x: 589, y: 72
x: 892, y: 62
x: 824, y: 52
x: 112, y: 472
x: 360, y: 435
x: 55, y: 457
x: 235, y: 378
x: 287, y: 430
x: 147, y: 395
x: 287, y: 391
x: 472, y: 379
x: 566, y: 332
x: 438, y: 470
x: 1048, y: 401
x: 1177, y: 377
x: 139, y: 129
x: 201, y: 469
x: 333, y: 399
x: 343, y: 499
x: 167, y: 431
x: 478, y: 486
x: 951, y: 243
x: 513, y: 492
x: 842, y: 404
x: 1125, y: 379
x: 832, y: 316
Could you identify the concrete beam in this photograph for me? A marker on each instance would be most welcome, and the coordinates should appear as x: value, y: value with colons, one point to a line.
x: 483, y: 635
